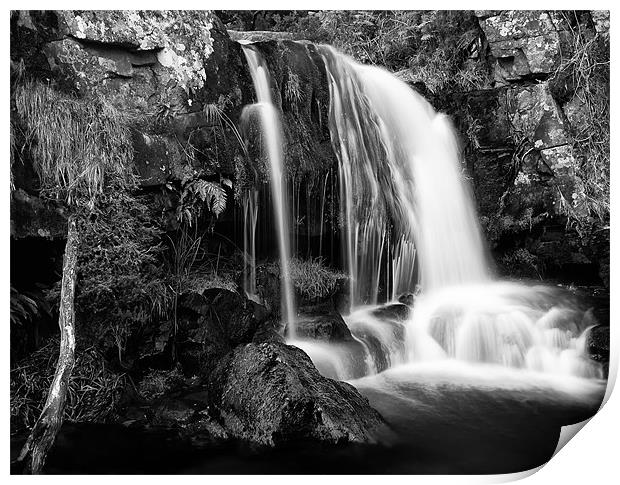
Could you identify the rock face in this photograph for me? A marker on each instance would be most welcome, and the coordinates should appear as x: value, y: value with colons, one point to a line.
x: 394, y: 311
x: 271, y: 394
x: 524, y: 43
x: 162, y: 71
x: 523, y: 146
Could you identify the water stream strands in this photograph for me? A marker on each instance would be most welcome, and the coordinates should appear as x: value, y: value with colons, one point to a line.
x: 272, y: 133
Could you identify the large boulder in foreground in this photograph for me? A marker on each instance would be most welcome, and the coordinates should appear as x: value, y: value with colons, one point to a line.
x: 271, y: 394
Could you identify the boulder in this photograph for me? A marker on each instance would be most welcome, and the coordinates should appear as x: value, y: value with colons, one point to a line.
x: 407, y: 299
x: 271, y: 394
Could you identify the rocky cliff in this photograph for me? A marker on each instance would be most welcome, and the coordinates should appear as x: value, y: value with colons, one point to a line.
x: 528, y: 142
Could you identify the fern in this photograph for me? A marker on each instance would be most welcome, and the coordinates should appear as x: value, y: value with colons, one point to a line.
x: 212, y: 194
x: 199, y: 194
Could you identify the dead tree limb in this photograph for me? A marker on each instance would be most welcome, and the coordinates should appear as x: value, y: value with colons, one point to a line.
x: 33, y: 454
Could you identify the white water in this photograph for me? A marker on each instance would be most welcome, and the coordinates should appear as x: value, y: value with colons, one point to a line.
x: 272, y: 133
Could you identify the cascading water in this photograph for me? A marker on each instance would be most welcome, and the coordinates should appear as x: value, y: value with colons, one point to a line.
x: 399, y: 162
x: 408, y: 219
x: 271, y: 130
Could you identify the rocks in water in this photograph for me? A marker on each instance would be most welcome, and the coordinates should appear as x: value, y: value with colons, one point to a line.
x: 407, y: 299
x: 342, y: 297
x: 271, y: 394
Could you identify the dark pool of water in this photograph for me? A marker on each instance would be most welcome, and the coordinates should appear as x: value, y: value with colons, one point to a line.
x: 445, y: 421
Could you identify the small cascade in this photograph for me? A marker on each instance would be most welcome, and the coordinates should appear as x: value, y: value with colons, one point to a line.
x: 250, y: 218
x: 503, y: 323
x: 272, y: 133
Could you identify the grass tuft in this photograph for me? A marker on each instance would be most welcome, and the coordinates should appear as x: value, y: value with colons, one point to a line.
x: 77, y: 146
x: 312, y: 278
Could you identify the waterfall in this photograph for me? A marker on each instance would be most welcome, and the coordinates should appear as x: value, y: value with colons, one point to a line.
x: 407, y: 219
x: 400, y: 169
x: 272, y: 134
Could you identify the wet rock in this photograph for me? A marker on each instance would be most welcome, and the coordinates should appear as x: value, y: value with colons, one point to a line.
x: 394, y: 311
x: 270, y: 331
x: 328, y: 326
x: 342, y: 297
x: 271, y: 394
x: 186, y: 411
x: 407, y: 299
x: 268, y: 286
